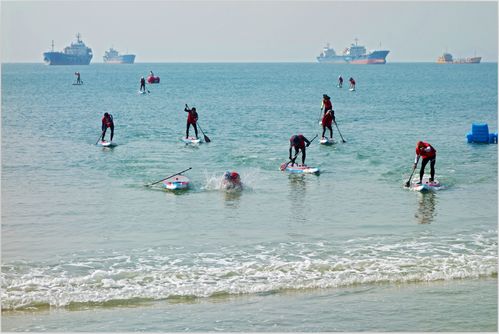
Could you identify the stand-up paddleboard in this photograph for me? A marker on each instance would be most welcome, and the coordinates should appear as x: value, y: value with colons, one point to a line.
x: 77, y: 84
x: 177, y: 182
x: 301, y: 169
x: 327, y: 141
x: 105, y: 143
x: 426, y: 185
x: 191, y: 140
x: 352, y: 89
x: 140, y: 92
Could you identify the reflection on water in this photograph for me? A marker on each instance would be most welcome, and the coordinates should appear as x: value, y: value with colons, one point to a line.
x: 297, y: 193
x: 426, y: 208
x: 232, y: 198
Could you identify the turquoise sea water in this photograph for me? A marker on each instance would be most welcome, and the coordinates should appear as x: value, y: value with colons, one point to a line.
x: 87, y: 247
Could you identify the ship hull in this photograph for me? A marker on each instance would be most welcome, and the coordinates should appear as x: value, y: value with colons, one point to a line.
x: 375, y: 57
x: 123, y: 59
x: 59, y: 58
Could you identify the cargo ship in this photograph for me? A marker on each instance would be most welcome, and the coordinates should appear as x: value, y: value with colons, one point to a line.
x: 446, y: 58
x: 355, y: 54
x: 112, y: 56
x: 75, y: 54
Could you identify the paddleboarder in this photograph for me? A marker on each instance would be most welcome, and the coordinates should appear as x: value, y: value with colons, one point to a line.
x: 192, y: 118
x: 340, y: 81
x: 327, y: 121
x: 326, y: 103
x: 429, y: 154
x: 107, y: 122
x: 298, y: 142
x: 142, y: 84
x: 78, y: 80
x: 352, y: 83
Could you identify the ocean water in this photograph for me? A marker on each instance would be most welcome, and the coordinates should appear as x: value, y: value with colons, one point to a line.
x: 86, y: 246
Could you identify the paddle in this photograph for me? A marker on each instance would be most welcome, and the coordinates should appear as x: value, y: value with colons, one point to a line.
x: 99, y: 138
x: 343, y: 140
x: 206, y: 139
x: 148, y: 185
x: 283, y: 166
x: 410, y: 177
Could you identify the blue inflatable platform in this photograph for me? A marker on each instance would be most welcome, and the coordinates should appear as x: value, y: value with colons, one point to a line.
x: 480, y: 134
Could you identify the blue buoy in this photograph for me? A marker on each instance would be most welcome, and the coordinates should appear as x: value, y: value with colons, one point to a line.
x: 480, y: 134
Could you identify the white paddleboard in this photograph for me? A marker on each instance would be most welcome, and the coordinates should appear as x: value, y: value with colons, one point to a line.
x: 426, y: 185
x: 352, y: 89
x: 141, y: 92
x: 177, y: 182
x: 105, y: 143
x: 302, y: 169
x: 191, y: 140
x: 327, y: 141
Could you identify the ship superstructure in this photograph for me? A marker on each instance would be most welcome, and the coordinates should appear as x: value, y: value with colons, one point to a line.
x: 447, y: 58
x: 112, y: 56
x: 75, y: 54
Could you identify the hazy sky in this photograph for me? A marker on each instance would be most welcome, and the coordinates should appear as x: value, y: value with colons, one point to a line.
x: 249, y: 31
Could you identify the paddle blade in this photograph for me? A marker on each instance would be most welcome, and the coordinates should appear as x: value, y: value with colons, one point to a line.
x: 206, y: 139
x: 284, y: 165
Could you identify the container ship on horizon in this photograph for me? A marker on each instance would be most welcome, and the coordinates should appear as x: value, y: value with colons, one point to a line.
x: 355, y: 54
x: 75, y: 54
x: 446, y: 58
x: 112, y: 56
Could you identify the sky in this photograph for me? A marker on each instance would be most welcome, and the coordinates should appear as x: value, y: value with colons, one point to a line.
x: 249, y: 31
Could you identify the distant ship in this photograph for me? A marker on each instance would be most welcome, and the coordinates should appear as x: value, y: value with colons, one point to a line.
x: 113, y: 57
x: 446, y: 58
x: 355, y: 54
x: 75, y: 54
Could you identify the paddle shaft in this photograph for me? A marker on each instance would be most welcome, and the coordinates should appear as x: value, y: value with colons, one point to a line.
x: 169, y: 177
x: 206, y: 139
x: 339, y: 131
x: 410, y: 177
x: 99, y: 138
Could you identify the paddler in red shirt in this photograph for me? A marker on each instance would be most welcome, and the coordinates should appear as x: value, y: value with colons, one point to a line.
x: 192, y: 118
x: 328, y: 117
x: 327, y: 121
x: 326, y: 103
x: 299, y: 142
x: 429, y: 154
x: 352, y: 83
x: 107, y: 122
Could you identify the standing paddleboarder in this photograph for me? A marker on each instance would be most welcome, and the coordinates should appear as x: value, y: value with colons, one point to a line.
x: 352, y: 83
x: 327, y: 121
x: 142, y: 85
x: 107, y: 122
x: 340, y: 81
x: 78, y: 80
x: 298, y: 142
x: 326, y: 103
x: 429, y: 154
x: 192, y: 118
